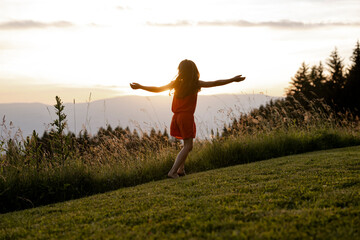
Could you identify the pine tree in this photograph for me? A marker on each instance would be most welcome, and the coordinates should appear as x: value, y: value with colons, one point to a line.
x: 33, y: 149
x: 355, y: 58
x: 60, y: 142
x: 119, y: 131
x: 152, y: 133
x: 109, y: 130
x: 301, y: 88
x: 318, y: 79
x: 300, y: 82
x: 353, y: 81
x: 136, y: 134
x: 336, y: 69
x: 60, y: 122
x: 336, y: 82
x: 165, y: 134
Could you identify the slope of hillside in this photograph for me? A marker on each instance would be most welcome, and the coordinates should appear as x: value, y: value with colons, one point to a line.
x: 313, y: 195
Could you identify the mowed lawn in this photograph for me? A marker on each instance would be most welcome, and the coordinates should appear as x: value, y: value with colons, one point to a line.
x: 312, y: 195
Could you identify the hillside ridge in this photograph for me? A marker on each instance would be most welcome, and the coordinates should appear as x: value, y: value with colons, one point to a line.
x: 301, y: 196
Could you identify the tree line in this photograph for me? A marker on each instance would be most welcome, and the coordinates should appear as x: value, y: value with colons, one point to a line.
x: 338, y: 86
x: 317, y: 95
x: 57, y: 146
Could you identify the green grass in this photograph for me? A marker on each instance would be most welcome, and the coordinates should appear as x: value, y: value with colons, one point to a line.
x: 312, y: 195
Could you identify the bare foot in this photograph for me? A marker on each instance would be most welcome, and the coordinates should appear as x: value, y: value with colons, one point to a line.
x: 181, y: 174
x: 175, y: 175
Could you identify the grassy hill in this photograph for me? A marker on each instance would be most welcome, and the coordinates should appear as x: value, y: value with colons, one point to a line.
x: 313, y: 195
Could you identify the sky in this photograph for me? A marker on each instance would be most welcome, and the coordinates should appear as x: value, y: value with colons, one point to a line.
x: 74, y: 48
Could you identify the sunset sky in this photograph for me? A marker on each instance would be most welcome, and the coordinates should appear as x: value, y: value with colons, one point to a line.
x: 71, y: 48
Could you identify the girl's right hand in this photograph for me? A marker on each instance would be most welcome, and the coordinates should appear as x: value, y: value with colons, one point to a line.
x: 238, y: 78
x: 135, y: 85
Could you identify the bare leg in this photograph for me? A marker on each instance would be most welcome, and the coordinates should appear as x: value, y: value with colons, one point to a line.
x: 181, y: 157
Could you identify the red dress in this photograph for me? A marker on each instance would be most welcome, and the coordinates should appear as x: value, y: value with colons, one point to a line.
x: 182, y: 123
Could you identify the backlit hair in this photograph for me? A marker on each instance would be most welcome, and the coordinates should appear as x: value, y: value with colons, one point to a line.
x: 187, y: 80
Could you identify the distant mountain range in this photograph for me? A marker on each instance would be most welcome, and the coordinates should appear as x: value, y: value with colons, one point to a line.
x: 142, y: 113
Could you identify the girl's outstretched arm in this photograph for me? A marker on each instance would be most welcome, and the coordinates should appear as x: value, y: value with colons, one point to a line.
x: 216, y: 83
x: 151, y: 88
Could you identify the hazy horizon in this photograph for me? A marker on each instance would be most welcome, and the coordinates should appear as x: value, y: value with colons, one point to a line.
x: 136, y: 112
x: 70, y: 49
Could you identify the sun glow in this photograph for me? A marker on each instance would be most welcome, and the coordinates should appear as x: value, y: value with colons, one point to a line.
x: 107, y: 45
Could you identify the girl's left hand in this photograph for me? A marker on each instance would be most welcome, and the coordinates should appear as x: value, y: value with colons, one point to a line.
x: 135, y: 85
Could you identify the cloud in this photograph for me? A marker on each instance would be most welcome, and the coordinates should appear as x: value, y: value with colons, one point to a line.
x: 278, y: 24
x: 30, y: 24
x: 272, y: 24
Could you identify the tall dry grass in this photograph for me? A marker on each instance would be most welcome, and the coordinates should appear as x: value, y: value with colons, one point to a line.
x: 114, y: 160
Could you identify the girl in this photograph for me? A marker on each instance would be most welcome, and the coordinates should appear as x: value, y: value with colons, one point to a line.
x: 186, y: 86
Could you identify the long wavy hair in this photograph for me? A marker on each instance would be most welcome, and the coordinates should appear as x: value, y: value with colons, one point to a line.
x: 187, y: 80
